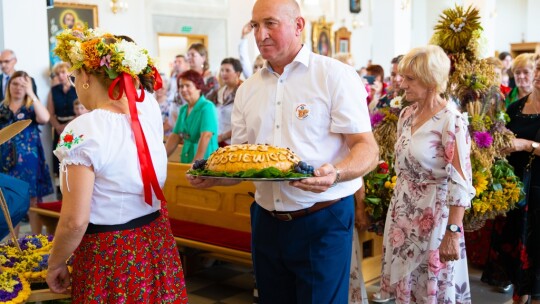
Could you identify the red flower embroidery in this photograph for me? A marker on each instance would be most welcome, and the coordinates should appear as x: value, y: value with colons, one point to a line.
x: 68, y: 138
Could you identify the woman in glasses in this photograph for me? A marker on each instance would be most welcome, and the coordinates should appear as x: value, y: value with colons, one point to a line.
x: 24, y: 158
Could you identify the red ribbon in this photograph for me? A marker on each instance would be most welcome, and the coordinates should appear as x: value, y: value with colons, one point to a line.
x: 159, y: 82
x: 125, y: 84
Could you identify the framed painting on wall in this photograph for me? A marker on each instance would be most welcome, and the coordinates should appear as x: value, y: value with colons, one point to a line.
x: 322, y: 37
x: 355, y: 6
x: 343, y: 40
x: 68, y: 15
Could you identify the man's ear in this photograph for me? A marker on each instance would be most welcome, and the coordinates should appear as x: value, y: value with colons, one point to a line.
x: 300, y: 23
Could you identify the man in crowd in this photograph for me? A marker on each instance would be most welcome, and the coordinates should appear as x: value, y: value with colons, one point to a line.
x: 8, y: 61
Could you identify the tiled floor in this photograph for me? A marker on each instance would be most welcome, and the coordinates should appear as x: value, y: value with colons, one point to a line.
x: 225, y: 283
x: 231, y: 284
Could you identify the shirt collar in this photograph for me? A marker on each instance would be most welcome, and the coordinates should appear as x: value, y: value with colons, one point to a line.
x: 302, y: 57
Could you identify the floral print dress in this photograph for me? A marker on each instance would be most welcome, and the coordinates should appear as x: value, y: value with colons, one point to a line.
x: 427, y: 184
x: 31, y: 165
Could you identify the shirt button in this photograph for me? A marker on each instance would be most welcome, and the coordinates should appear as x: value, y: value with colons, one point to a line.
x: 281, y: 80
x: 277, y: 201
x: 279, y: 102
x: 277, y: 126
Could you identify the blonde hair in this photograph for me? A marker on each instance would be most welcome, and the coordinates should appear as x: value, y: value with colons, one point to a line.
x: 495, y: 62
x: 525, y: 60
x: 429, y: 64
x: 60, y: 66
x: 7, y: 99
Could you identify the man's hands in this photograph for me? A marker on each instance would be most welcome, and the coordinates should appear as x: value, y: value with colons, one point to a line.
x: 323, y: 180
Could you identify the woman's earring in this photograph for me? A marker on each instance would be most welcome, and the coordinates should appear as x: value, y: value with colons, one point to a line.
x: 85, y: 86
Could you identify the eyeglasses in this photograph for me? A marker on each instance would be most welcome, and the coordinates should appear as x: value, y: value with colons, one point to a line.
x: 6, y: 61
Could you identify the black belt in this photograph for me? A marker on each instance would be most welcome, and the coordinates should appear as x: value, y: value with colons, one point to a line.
x: 290, y: 215
x: 134, y: 223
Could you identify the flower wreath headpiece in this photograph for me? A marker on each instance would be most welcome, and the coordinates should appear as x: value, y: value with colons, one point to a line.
x: 123, y: 61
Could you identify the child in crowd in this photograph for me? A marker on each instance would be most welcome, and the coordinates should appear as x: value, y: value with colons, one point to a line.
x: 79, y: 108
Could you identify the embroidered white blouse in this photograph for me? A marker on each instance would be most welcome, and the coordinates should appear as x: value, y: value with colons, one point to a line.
x: 104, y: 140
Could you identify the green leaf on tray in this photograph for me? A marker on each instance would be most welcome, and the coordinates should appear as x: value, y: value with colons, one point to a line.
x: 270, y: 172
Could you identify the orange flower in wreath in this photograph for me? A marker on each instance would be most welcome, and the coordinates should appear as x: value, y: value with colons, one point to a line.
x: 91, y: 55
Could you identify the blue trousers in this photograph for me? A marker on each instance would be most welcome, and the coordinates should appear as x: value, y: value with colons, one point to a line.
x: 306, y: 260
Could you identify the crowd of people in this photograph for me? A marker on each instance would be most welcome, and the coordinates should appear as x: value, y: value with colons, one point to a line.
x: 112, y: 138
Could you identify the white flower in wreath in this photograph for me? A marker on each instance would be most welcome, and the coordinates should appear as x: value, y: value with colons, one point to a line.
x: 134, y: 57
x: 75, y: 52
x: 396, y: 102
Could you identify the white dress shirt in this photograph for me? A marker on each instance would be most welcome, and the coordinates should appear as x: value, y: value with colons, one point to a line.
x: 307, y: 109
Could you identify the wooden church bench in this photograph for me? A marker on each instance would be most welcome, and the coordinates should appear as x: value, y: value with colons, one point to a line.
x: 214, y: 221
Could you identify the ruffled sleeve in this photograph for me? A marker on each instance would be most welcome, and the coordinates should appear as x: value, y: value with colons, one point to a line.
x: 456, y: 136
x: 77, y: 144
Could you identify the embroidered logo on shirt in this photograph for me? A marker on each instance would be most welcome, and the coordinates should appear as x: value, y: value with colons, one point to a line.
x: 302, y: 111
x: 20, y: 116
x: 68, y: 139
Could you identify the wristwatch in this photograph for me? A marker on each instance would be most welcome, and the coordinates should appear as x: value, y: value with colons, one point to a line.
x: 534, y: 146
x: 338, y: 176
x: 453, y: 228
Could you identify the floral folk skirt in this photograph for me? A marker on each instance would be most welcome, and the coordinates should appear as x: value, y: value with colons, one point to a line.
x: 139, y: 265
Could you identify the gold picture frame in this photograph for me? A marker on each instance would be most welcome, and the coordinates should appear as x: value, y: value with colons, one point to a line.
x: 322, y: 37
x: 343, y: 40
x: 68, y: 15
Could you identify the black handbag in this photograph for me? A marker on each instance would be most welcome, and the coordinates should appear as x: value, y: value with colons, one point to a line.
x: 527, y: 175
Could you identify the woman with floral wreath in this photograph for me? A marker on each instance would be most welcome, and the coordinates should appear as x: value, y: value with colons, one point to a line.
x: 113, y: 165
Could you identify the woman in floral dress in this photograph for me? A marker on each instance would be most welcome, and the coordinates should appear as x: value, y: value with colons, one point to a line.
x: 424, y: 257
x: 25, y: 159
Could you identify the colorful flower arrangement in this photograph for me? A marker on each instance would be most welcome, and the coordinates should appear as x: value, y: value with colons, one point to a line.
x: 32, y: 261
x: 379, y: 186
x: 498, y: 189
x: 14, y: 288
x: 379, y: 183
x: 94, y: 50
x: 473, y: 84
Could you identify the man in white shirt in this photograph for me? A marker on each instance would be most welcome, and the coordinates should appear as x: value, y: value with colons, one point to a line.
x: 302, y: 230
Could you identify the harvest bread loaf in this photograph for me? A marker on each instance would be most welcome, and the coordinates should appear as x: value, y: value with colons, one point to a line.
x: 237, y: 158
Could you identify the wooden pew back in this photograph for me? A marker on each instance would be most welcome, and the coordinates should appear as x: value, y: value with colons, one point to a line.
x: 226, y: 207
